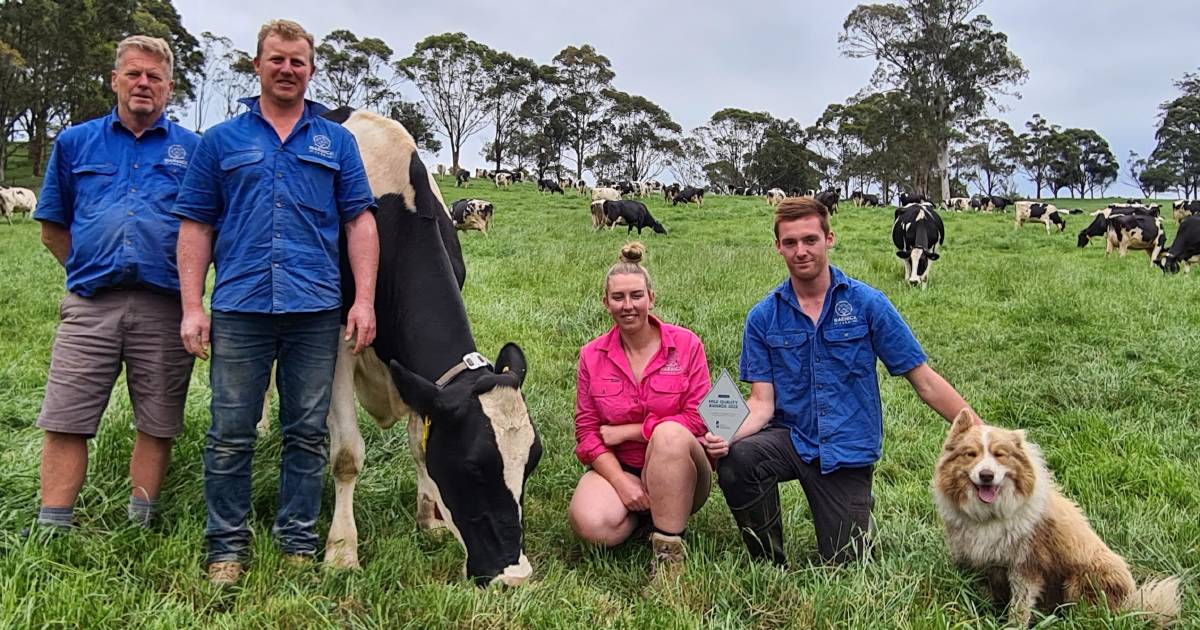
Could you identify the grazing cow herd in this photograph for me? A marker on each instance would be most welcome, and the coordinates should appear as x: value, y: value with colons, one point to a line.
x: 16, y: 201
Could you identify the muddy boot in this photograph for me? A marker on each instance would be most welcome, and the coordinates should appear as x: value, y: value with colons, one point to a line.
x: 669, y: 554
x: 761, y: 525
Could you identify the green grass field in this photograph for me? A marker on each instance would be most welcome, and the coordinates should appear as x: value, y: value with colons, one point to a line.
x: 1094, y: 356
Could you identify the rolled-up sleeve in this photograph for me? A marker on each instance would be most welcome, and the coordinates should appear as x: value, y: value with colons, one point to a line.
x: 588, y: 443
x: 56, y: 204
x: 755, y: 364
x: 698, y: 385
x: 353, y: 190
x: 200, y: 197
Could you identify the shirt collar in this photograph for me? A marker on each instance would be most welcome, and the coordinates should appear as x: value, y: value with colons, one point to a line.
x: 311, y: 108
x: 114, y: 121
x: 836, y: 279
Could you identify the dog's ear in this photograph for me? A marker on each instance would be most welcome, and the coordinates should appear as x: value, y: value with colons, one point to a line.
x: 1019, y: 434
x: 963, y: 421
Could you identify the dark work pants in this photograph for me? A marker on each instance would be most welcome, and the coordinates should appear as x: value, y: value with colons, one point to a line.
x: 841, y: 501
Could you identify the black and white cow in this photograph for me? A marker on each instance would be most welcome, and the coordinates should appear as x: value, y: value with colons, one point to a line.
x: 829, y: 198
x: 907, y: 198
x: 1135, y: 231
x: 1045, y: 213
x: 859, y: 198
x: 632, y: 213
x: 918, y: 235
x: 472, y: 214
x: 978, y: 202
x: 1101, y: 219
x: 996, y: 202
x: 468, y: 425
x: 1185, y: 249
x: 550, y: 186
x: 1185, y: 208
x: 626, y: 187
x: 669, y: 192
x: 690, y: 194
x: 460, y: 178
x: 957, y: 204
x: 503, y: 179
x: 775, y: 196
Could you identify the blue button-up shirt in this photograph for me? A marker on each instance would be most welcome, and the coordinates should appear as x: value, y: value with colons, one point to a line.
x: 114, y: 192
x: 277, y: 208
x: 826, y: 389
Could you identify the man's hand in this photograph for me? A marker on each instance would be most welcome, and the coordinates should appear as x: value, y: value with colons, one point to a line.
x: 715, y: 445
x: 360, y: 325
x: 193, y: 330
x: 633, y: 494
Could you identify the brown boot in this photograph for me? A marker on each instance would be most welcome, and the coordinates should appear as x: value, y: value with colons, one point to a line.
x: 669, y: 554
x: 224, y: 573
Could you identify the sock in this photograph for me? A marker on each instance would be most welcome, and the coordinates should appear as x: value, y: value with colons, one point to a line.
x: 667, y: 533
x: 141, y: 511
x: 62, y: 517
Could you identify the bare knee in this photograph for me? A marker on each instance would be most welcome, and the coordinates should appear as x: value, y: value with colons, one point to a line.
x: 599, y: 526
x: 670, y: 439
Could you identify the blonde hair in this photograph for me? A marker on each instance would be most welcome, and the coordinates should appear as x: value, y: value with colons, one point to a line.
x: 289, y: 31
x: 630, y: 261
x: 151, y: 45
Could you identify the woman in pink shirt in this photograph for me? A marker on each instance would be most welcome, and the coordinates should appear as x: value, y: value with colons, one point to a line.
x: 637, y: 424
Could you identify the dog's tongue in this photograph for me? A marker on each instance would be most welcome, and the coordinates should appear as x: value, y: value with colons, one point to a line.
x: 987, y: 494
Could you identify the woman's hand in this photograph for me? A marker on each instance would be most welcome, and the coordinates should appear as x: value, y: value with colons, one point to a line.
x: 633, y: 494
x: 614, y: 434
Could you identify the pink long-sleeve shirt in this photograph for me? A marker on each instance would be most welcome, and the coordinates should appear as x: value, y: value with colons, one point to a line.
x: 672, y: 386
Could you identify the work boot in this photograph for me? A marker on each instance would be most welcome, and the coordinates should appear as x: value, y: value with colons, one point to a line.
x: 669, y: 554
x: 224, y: 573
x: 761, y: 526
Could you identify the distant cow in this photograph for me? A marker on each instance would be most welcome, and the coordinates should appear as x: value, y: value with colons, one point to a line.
x: 472, y: 214
x: 978, y: 202
x: 958, y: 203
x: 460, y: 178
x: 996, y: 202
x: 581, y: 187
x: 625, y: 186
x: 1185, y: 248
x: 646, y: 189
x: 633, y: 214
x: 1136, y: 231
x: 690, y: 194
x: 859, y: 198
x: 603, y: 193
x: 829, y: 199
x: 1044, y: 213
x: 550, y: 186
x: 480, y: 173
x: 907, y: 198
x: 503, y: 179
x: 918, y: 234
x: 1185, y: 208
x: 669, y: 192
x: 775, y: 196
x: 16, y: 201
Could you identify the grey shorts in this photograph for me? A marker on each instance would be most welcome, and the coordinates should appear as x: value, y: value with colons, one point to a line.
x: 95, y: 336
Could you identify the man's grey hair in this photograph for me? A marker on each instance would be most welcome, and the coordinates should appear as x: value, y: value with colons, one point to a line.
x: 152, y: 45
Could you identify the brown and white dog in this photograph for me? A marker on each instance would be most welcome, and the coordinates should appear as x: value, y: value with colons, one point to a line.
x: 1005, y: 515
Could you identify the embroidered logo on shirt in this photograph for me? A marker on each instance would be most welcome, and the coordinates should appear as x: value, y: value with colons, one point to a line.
x: 672, y: 365
x: 844, y: 313
x: 320, y: 145
x: 176, y: 156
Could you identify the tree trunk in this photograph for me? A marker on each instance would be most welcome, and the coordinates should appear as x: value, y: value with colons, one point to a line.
x: 944, y: 169
x: 37, y: 143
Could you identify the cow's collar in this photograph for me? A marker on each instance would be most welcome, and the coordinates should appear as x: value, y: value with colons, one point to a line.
x: 470, y: 361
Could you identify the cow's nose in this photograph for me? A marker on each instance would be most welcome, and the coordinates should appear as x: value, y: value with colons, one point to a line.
x: 515, y: 574
x: 986, y: 477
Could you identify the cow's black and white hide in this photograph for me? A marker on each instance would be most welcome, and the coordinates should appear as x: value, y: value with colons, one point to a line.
x: 907, y: 198
x: 1185, y: 249
x: 1135, y: 231
x: 550, y: 186
x: 633, y: 214
x: 669, y: 192
x: 1100, y: 220
x: 1185, y: 208
x: 472, y: 214
x: 690, y: 194
x: 996, y: 202
x: 472, y: 439
x: 460, y: 178
x: 1045, y: 213
x: 829, y: 198
x: 918, y: 235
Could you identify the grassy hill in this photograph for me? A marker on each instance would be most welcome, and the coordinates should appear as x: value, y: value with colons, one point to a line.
x: 1094, y: 356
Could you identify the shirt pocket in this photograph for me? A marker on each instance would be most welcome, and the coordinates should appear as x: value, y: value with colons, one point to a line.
x: 613, y: 401
x: 165, y: 186
x: 789, y: 358
x: 239, y: 169
x: 850, y: 348
x: 93, y: 181
x: 316, y: 182
x: 668, y: 393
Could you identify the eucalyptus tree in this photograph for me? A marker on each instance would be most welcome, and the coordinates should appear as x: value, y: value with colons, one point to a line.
x: 449, y: 69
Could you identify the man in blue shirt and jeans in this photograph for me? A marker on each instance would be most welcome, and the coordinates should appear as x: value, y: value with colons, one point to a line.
x: 105, y: 215
x: 809, y: 352
x: 265, y: 199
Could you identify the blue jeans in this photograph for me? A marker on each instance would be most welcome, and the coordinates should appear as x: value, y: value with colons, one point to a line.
x: 244, y: 345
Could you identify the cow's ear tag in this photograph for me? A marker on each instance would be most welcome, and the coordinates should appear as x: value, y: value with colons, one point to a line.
x: 425, y: 434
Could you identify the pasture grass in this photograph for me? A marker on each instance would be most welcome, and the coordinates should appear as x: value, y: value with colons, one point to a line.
x: 1094, y: 356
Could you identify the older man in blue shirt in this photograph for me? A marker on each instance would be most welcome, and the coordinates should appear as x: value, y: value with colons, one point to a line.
x: 105, y: 215
x: 265, y: 199
x: 809, y: 352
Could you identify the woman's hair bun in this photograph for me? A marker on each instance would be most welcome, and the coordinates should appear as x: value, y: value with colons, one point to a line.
x: 633, y: 253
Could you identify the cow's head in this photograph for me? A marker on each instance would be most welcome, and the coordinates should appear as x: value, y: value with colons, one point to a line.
x: 918, y: 260
x: 1059, y: 220
x: 481, y: 447
x: 1097, y: 227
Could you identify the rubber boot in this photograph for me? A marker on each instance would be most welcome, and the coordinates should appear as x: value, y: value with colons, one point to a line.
x: 761, y: 525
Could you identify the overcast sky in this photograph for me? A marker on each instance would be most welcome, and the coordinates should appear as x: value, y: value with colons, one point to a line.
x: 1097, y: 65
